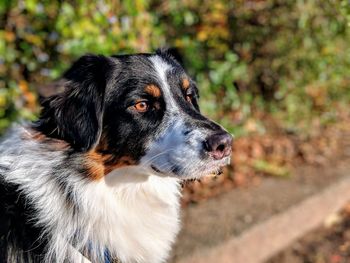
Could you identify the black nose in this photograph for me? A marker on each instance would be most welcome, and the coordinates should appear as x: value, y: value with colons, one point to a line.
x: 218, y: 145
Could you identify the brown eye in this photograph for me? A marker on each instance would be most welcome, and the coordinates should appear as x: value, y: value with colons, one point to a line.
x: 141, y: 106
x: 189, y: 97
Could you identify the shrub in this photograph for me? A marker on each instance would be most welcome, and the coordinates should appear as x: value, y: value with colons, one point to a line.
x: 287, y: 57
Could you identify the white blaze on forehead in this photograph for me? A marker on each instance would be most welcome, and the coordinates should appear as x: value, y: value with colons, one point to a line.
x: 162, y: 67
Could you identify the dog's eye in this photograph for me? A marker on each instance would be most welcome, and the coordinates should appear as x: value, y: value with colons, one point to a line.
x: 189, y: 98
x: 141, y: 106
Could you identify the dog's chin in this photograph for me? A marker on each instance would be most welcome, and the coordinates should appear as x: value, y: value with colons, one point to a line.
x: 213, y: 167
x: 186, y: 172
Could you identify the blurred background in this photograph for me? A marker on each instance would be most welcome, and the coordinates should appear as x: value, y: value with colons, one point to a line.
x: 275, y: 73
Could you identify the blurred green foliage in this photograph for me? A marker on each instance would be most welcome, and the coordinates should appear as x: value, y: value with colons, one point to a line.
x: 287, y: 57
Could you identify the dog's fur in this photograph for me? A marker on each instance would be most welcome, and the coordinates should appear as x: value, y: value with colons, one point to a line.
x: 98, y: 174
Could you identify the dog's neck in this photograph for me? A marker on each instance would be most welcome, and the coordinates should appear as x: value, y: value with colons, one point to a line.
x: 143, y: 214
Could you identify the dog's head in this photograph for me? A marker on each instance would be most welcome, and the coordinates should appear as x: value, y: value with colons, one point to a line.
x: 136, y: 110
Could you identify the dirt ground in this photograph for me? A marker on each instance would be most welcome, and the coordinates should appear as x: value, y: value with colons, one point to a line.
x: 327, y: 244
x: 212, y: 222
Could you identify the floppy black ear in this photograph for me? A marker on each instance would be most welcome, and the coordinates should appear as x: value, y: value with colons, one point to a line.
x: 75, y: 115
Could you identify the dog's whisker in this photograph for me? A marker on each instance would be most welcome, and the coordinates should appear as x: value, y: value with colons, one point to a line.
x: 157, y: 156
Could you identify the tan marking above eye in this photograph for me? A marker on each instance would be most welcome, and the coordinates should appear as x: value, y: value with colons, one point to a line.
x: 141, y: 106
x: 153, y: 90
x: 185, y: 83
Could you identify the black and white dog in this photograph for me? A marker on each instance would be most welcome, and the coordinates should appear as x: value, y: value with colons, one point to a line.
x: 97, y: 177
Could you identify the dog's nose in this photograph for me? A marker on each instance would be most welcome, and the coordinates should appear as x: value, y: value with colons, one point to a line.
x: 219, y: 145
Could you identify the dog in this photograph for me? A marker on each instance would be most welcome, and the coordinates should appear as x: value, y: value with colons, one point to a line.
x: 97, y: 176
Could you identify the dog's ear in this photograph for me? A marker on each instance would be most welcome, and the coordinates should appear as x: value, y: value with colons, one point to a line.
x: 76, y: 114
x: 172, y: 52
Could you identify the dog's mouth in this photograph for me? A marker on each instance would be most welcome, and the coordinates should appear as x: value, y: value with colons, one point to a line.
x: 214, y: 167
x: 195, y: 171
x: 154, y: 168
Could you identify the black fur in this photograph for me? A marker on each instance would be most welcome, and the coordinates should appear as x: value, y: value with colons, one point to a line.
x: 76, y: 115
x: 17, y: 227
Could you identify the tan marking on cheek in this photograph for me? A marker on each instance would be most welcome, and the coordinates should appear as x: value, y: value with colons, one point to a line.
x: 98, y: 165
x: 185, y: 83
x: 121, y: 162
x: 94, y: 165
x: 153, y: 90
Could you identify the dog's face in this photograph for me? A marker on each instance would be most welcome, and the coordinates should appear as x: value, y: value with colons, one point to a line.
x: 136, y: 110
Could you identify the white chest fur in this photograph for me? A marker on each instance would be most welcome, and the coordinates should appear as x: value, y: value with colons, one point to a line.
x: 145, y: 217
x: 131, y: 212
